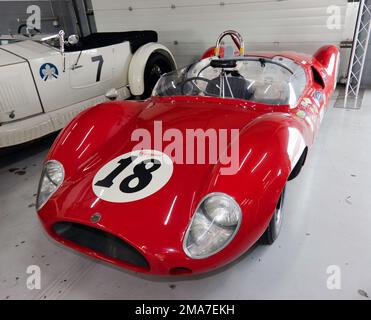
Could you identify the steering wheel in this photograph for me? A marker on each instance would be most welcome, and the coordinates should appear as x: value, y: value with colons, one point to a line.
x: 182, y: 86
x: 237, y: 39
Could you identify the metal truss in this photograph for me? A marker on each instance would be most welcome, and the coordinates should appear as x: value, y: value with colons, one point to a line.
x: 358, y: 56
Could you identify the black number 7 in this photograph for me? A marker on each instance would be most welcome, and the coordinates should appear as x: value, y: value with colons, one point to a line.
x: 100, y: 64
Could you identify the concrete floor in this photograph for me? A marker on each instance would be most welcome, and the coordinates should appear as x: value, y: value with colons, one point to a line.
x: 327, y: 222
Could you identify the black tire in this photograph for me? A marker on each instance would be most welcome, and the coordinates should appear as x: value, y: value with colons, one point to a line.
x: 159, y: 63
x: 274, y: 227
x: 295, y: 172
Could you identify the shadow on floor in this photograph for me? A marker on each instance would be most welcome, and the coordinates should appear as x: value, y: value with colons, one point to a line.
x: 11, y: 155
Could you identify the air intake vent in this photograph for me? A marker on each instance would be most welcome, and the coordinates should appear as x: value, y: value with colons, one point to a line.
x: 101, y: 242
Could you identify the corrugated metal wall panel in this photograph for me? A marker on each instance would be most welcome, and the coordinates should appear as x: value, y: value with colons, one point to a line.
x: 366, y: 80
x: 190, y: 27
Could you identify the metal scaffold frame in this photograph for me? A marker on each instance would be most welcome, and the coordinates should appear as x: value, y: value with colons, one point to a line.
x: 358, y: 56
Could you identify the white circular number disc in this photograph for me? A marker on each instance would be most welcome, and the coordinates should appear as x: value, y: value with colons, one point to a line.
x: 123, y: 168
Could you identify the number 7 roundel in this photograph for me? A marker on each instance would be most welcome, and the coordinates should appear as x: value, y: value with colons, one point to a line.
x: 133, y: 176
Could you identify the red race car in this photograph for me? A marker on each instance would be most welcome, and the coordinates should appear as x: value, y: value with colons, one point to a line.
x: 188, y: 180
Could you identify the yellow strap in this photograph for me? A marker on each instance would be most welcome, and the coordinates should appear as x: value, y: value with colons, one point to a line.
x: 216, y: 51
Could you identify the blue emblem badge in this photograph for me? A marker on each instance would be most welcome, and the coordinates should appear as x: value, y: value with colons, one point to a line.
x: 318, y: 96
x: 48, y: 71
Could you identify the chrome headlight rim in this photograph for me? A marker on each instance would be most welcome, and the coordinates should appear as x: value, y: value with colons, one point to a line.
x: 188, y: 230
x: 45, y: 173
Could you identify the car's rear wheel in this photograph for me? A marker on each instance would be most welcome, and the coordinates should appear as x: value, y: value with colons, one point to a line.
x: 274, y: 227
x: 159, y: 63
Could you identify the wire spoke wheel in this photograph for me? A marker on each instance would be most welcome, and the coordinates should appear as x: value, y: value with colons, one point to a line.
x: 275, y: 225
x: 157, y: 65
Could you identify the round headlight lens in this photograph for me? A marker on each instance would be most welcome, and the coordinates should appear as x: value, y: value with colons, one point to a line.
x: 213, y: 226
x: 51, y: 178
x: 54, y: 171
x: 221, y: 209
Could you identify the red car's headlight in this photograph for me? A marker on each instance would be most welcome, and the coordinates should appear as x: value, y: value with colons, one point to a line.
x: 213, y: 226
x: 51, y: 178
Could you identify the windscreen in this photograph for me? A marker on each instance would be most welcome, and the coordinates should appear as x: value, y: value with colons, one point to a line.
x: 276, y: 81
x: 7, y: 41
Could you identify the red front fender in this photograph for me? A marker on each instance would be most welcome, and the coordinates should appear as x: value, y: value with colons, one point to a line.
x: 268, y: 146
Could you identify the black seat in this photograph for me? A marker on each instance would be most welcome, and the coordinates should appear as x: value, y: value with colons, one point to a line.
x: 104, y: 39
x: 238, y: 85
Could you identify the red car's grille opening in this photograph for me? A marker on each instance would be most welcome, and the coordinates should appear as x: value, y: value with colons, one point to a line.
x: 101, y: 242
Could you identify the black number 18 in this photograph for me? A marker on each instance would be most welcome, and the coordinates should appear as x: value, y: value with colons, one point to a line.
x: 140, y: 172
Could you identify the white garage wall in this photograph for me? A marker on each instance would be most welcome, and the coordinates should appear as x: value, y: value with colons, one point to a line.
x: 188, y: 28
x: 14, y: 13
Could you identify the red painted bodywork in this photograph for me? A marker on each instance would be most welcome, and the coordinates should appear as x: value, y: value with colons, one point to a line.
x: 102, y: 133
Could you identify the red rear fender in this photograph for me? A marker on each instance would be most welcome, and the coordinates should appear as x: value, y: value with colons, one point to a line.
x: 328, y: 56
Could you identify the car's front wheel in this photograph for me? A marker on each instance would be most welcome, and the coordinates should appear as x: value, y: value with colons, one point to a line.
x: 159, y: 63
x: 274, y: 227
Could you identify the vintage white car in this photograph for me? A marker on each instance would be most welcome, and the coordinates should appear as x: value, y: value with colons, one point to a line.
x: 45, y: 83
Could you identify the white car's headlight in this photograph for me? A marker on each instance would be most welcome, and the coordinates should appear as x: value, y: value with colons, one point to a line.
x: 51, y: 179
x: 213, y: 226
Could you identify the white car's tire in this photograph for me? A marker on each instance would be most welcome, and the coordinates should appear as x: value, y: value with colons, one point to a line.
x: 159, y: 63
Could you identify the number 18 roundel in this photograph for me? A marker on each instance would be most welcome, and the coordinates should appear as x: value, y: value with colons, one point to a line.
x: 133, y: 176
